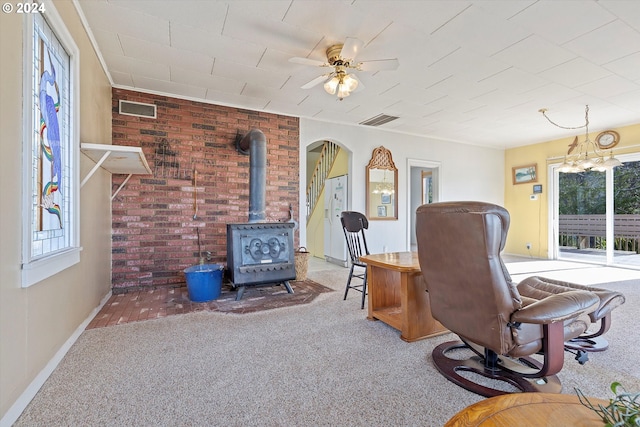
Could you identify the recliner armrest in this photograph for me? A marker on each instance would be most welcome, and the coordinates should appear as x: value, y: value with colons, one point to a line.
x: 557, y: 308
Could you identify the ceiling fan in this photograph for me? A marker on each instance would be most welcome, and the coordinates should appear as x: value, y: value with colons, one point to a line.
x: 341, y: 57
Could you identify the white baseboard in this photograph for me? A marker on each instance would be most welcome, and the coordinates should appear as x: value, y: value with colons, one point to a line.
x: 25, y: 398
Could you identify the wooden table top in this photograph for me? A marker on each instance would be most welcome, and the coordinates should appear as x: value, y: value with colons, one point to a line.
x: 399, y: 261
x: 530, y: 409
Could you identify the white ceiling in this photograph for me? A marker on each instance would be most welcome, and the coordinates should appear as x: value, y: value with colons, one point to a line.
x: 470, y: 71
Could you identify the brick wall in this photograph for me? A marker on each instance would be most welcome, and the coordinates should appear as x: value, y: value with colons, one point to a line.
x: 154, y: 230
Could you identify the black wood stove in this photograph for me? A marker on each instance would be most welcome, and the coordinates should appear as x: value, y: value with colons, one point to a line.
x: 259, y: 252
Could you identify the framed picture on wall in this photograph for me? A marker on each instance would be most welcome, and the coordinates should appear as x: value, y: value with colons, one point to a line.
x: 525, y: 174
x: 382, y: 211
x: 386, y: 199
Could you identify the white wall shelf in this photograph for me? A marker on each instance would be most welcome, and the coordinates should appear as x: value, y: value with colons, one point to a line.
x: 115, y: 159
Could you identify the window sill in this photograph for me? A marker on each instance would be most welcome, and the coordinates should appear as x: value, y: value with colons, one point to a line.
x: 41, y: 269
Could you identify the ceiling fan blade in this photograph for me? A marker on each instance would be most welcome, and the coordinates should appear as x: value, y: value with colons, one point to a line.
x: 379, y: 65
x: 316, y: 81
x: 351, y: 48
x: 307, y: 61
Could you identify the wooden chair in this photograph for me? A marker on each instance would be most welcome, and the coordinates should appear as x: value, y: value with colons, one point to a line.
x: 353, y: 225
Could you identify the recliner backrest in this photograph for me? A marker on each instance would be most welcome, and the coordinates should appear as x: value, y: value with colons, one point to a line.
x: 471, y: 292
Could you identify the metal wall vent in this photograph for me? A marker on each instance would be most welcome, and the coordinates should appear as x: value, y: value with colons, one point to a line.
x: 378, y: 120
x: 138, y: 109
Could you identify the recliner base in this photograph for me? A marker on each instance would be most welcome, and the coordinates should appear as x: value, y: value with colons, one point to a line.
x: 450, y: 368
x: 587, y: 344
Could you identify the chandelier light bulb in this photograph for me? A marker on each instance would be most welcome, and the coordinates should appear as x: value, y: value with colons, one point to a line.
x: 587, y: 163
x: 612, y: 162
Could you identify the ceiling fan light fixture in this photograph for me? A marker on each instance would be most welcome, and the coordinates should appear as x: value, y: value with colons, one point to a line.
x: 350, y: 82
x: 331, y: 85
x: 343, y: 91
x: 341, y: 57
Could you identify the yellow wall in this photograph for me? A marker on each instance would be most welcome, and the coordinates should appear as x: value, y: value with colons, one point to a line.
x: 36, y: 322
x: 529, y: 218
x: 315, y: 224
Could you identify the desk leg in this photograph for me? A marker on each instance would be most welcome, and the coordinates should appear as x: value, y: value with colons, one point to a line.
x: 384, y: 296
x: 417, y: 321
x: 369, y: 301
x: 384, y: 291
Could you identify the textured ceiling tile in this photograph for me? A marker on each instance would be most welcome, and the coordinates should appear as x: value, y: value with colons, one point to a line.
x: 192, y: 77
x: 245, y: 73
x: 562, y: 21
x: 195, y: 13
x: 267, y: 32
x: 215, y: 46
x: 534, y: 54
x: 608, y: 86
x: 627, y: 67
x: 608, y: 43
x: 125, y: 64
x: 574, y: 73
x: 481, y: 32
x: 122, y: 20
x: 167, y: 55
x: 168, y: 87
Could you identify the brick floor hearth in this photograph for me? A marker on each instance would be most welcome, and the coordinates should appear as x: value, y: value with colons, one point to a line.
x: 141, y: 305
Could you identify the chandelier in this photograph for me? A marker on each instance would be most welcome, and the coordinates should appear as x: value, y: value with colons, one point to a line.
x: 342, y: 82
x: 384, y: 187
x: 579, y: 158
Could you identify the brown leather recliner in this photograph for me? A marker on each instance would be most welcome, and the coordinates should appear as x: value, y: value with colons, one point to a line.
x: 471, y: 294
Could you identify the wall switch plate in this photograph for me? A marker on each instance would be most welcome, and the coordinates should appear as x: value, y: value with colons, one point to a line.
x: 533, y: 197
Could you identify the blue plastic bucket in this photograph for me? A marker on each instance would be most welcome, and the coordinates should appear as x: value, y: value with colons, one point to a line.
x: 204, y: 282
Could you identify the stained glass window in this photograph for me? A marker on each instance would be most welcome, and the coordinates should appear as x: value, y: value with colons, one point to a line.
x: 51, y: 158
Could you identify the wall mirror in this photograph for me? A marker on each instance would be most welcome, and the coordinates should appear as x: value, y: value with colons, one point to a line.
x: 382, y: 186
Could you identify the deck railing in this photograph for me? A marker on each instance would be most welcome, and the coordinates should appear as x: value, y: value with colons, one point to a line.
x: 589, y: 232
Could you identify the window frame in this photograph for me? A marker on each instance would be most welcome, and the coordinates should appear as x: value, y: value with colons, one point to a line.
x: 39, y: 267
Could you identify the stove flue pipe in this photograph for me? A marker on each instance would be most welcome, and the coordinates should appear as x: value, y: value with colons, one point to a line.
x: 256, y: 143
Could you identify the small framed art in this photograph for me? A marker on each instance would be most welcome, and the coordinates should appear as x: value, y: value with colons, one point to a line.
x: 525, y: 174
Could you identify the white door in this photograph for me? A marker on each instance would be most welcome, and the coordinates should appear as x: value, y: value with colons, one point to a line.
x: 335, y: 247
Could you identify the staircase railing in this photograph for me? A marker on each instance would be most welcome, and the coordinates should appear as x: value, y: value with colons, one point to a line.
x: 323, y: 167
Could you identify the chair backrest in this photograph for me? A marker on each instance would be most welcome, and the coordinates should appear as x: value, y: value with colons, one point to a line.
x: 353, y: 225
x: 470, y: 290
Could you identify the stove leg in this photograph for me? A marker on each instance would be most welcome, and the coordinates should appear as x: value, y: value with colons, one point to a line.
x: 239, y: 293
x: 288, y: 286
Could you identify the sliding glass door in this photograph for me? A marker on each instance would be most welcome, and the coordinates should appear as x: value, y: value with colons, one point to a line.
x: 596, y: 215
x: 582, y: 216
x: 626, y: 219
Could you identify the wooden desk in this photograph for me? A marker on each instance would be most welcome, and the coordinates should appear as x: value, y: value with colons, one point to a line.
x: 530, y: 409
x: 398, y: 297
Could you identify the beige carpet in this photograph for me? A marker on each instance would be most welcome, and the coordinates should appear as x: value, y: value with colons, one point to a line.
x: 320, y: 364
